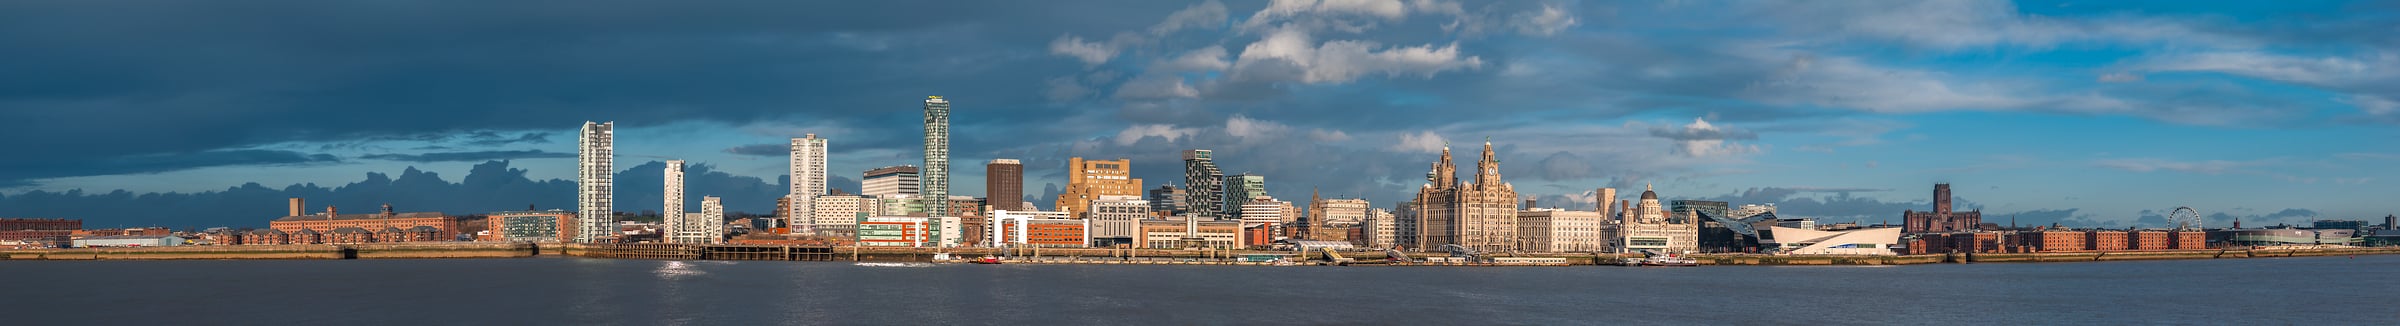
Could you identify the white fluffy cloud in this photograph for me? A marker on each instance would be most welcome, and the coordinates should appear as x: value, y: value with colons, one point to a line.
x: 1420, y: 142
x: 1135, y: 133
x: 1091, y: 53
x: 1702, y: 139
x: 1291, y: 55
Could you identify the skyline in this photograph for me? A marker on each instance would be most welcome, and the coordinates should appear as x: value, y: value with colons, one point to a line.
x: 2083, y: 113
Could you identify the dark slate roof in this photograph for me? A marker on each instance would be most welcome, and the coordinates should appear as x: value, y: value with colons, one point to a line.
x: 421, y: 228
x: 350, y: 229
x: 266, y: 231
x: 321, y: 217
x: 389, y: 230
x: 305, y: 231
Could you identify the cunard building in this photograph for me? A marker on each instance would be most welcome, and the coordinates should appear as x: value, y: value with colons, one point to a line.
x: 1480, y: 216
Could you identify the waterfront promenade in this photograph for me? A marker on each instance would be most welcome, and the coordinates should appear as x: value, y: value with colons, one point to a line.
x: 1053, y: 255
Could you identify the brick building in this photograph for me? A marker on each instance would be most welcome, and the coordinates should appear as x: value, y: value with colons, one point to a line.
x: 2187, y: 240
x: 2101, y: 240
x: 2147, y: 239
x: 448, y: 227
x: 2051, y: 241
x: 45, y: 232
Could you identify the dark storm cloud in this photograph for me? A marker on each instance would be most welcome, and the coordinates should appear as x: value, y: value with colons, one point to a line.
x: 22, y: 171
x: 467, y: 156
x: 185, y: 77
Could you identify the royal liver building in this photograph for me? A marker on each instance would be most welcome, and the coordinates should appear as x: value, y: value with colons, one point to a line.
x: 1480, y: 216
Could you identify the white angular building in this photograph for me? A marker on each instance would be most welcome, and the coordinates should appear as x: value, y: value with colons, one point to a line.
x: 1117, y: 216
x: 671, y: 209
x: 1552, y: 230
x: 808, y: 181
x: 1810, y: 241
x: 595, y: 172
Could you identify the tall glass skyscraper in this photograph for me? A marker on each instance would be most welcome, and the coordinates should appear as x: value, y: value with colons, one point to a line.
x: 1240, y: 189
x: 1204, y: 186
x: 596, y: 172
x: 936, y: 178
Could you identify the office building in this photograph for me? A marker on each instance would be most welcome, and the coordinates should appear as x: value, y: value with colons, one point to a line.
x: 1088, y: 180
x: 936, y: 176
x: 595, y: 173
x: 889, y: 180
x: 1329, y: 219
x: 1187, y: 232
x: 1004, y: 184
x: 1377, y: 230
x: 1941, y: 219
x: 1696, y: 211
x: 1552, y: 230
x: 1204, y: 186
x: 1604, y: 201
x: 1116, y: 219
x: 1038, y: 229
x: 551, y: 226
x: 1240, y: 189
x: 808, y: 181
x: 671, y: 211
x: 910, y: 231
x: 1480, y: 216
x: 1404, y: 226
x: 1167, y: 200
x: 1647, y: 226
x: 842, y: 211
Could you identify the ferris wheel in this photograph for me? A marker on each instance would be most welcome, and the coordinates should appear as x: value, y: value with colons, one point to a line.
x: 2184, y: 218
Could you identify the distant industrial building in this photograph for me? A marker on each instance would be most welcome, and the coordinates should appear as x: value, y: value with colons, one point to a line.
x: 1088, y: 180
x: 38, y: 232
x: 1004, y: 184
x: 129, y: 241
x: 890, y: 180
x: 1941, y: 219
x: 444, y: 227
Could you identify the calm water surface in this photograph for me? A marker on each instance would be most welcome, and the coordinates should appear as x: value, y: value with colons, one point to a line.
x: 553, y: 291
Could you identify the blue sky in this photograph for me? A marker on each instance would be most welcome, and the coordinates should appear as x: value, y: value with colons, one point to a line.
x: 2082, y: 113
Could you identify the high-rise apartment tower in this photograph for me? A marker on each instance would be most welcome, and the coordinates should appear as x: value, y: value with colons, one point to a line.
x: 595, y: 172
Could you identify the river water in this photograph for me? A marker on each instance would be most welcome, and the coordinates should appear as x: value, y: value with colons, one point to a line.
x: 560, y: 291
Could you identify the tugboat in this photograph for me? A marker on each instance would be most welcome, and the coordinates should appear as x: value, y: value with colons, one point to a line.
x: 986, y: 260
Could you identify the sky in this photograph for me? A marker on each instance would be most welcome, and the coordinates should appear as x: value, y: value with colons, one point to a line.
x: 2093, y: 114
